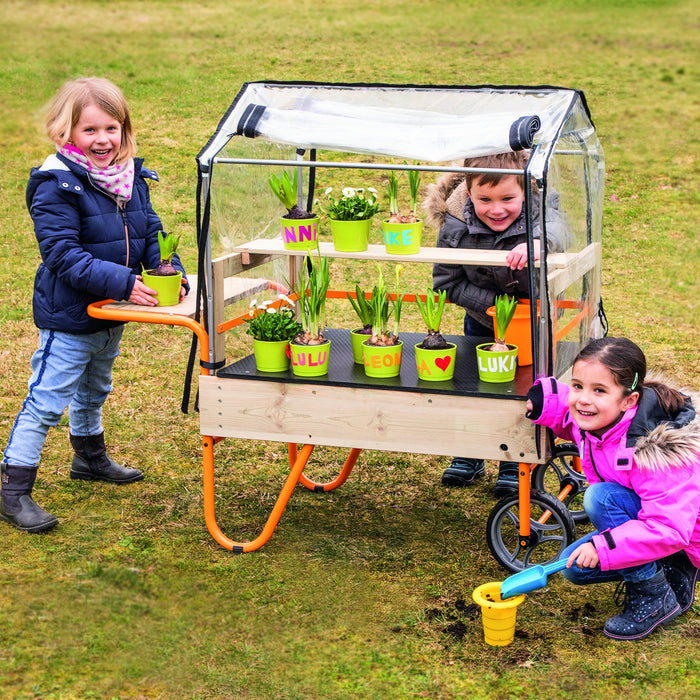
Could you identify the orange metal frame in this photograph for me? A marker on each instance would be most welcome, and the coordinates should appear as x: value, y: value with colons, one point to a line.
x: 297, y: 459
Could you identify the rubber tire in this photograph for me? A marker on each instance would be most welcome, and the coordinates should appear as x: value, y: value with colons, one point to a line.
x: 548, y: 540
x: 559, y: 467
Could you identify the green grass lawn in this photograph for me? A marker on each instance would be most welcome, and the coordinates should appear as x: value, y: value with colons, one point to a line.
x: 363, y: 592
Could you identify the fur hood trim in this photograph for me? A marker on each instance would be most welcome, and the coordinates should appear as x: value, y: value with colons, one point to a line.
x: 446, y: 196
x: 668, y: 447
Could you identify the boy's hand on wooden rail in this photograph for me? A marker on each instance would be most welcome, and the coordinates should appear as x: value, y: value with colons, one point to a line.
x: 517, y: 258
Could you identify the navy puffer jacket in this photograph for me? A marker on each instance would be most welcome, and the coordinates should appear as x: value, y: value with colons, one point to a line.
x: 91, y: 249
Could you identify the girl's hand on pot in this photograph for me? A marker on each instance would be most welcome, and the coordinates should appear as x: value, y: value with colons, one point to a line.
x: 141, y: 294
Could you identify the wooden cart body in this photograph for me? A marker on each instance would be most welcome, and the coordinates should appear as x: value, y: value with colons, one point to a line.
x: 317, y: 128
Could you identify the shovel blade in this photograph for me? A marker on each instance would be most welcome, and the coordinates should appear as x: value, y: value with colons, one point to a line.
x: 530, y: 579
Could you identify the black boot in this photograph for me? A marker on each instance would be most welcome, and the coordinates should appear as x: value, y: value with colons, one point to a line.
x: 463, y: 471
x: 92, y: 463
x: 682, y: 576
x: 16, y: 504
x: 648, y: 604
x: 507, y: 480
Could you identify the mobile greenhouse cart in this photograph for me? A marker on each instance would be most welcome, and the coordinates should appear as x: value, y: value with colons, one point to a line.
x: 315, y: 129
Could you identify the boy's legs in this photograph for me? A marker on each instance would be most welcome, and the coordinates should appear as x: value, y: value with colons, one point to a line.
x: 464, y: 471
x: 649, y: 600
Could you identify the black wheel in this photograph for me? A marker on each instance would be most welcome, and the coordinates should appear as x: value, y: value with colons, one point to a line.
x: 552, y: 476
x: 546, y: 541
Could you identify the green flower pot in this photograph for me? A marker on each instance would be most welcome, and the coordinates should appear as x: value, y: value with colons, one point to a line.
x: 436, y: 365
x: 310, y: 360
x: 299, y: 234
x: 356, y: 340
x: 496, y: 367
x: 350, y: 236
x: 382, y: 360
x: 168, y: 287
x: 271, y: 355
x: 402, y: 239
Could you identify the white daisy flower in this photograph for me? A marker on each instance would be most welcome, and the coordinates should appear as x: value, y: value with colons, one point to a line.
x: 284, y: 297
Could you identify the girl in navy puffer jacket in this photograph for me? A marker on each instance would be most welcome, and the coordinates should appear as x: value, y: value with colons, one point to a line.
x: 640, y: 451
x: 96, y: 230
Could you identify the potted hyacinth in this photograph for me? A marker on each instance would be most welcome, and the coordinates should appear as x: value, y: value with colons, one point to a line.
x: 165, y: 279
x: 299, y: 228
x: 310, y: 351
x: 382, y: 350
x: 497, y: 361
x: 435, y: 357
x: 351, y: 217
x: 402, y: 232
x: 363, y: 309
x: 272, y: 324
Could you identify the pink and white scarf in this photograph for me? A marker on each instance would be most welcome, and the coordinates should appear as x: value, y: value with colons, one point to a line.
x: 117, y: 179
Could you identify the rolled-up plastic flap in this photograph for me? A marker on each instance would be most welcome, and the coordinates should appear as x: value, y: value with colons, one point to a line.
x: 522, y: 132
x: 420, y: 134
x: 247, y: 124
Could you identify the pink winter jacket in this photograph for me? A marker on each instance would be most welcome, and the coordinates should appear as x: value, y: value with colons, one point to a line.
x: 650, y: 452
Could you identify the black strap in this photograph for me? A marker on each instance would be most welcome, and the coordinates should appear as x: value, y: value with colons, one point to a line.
x: 212, y: 365
x: 201, y: 294
x: 603, y: 318
x: 249, y: 120
x: 312, y: 183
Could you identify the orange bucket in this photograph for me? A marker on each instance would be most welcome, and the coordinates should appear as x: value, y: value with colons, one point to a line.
x: 519, y: 332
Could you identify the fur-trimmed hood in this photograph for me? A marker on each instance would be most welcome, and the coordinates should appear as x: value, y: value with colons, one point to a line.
x: 661, y: 441
x: 446, y: 196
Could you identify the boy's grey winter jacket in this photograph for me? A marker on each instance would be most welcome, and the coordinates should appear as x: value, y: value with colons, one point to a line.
x: 449, y: 207
x: 91, y: 249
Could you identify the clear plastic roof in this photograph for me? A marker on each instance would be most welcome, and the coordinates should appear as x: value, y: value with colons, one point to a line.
x: 423, y: 123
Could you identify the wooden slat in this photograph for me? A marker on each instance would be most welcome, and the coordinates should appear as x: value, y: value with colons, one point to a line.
x: 450, y: 256
x: 577, y: 266
x: 373, y: 419
x: 235, y: 288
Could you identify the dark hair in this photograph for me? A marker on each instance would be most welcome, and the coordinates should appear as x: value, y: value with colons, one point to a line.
x: 627, y: 364
x: 513, y: 160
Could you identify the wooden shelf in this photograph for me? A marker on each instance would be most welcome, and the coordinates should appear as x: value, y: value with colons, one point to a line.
x: 235, y: 288
x: 449, y: 256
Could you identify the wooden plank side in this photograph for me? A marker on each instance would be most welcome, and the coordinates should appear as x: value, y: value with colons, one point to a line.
x: 578, y: 265
x: 373, y: 419
x: 235, y: 288
x: 450, y: 256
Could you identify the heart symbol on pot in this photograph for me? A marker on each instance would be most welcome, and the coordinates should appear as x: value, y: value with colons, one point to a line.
x: 443, y: 362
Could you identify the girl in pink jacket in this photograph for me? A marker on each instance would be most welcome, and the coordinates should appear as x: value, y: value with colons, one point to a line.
x: 640, y: 451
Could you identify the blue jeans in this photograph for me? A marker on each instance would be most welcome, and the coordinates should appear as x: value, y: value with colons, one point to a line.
x: 608, y: 505
x: 473, y: 327
x: 73, y: 371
